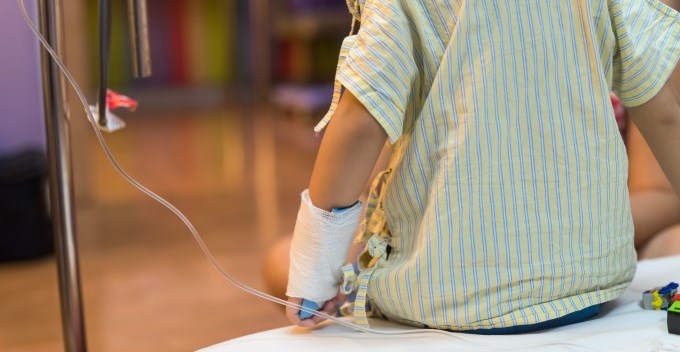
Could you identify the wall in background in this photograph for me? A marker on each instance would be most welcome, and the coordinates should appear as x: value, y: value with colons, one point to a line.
x: 21, y: 108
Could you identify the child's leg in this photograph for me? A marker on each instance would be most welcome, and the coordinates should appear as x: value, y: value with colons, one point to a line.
x: 276, y: 268
x: 665, y: 243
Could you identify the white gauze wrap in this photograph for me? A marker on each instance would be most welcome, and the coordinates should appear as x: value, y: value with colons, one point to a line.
x: 319, y: 249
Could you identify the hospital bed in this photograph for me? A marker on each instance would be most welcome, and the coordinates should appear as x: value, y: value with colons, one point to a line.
x: 622, y: 325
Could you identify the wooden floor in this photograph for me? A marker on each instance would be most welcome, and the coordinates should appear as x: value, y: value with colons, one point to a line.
x: 235, y: 173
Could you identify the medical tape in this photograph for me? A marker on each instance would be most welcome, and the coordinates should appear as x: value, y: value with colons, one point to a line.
x: 319, y: 250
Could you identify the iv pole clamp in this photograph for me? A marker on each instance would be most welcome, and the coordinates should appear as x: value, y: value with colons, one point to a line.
x: 61, y: 181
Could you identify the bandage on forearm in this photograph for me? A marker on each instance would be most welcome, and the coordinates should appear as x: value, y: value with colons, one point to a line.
x: 320, y: 243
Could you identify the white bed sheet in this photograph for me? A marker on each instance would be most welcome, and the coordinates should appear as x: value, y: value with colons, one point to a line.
x: 622, y: 325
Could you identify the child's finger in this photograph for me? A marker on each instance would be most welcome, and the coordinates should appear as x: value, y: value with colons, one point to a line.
x: 340, y: 299
x: 329, y: 308
x: 293, y: 314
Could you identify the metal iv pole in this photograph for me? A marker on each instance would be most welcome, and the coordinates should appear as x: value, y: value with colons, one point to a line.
x: 59, y: 156
x: 61, y: 181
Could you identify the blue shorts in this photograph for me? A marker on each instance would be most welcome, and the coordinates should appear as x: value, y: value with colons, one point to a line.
x: 571, y: 318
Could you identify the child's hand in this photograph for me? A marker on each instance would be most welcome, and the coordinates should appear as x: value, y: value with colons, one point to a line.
x: 330, y: 307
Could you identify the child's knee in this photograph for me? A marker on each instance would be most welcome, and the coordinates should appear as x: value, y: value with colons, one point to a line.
x: 276, y: 267
x: 664, y: 243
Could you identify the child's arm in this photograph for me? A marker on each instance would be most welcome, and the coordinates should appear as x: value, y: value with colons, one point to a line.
x: 659, y: 122
x: 645, y: 172
x: 349, y: 150
x: 672, y: 3
x: 654, y: 204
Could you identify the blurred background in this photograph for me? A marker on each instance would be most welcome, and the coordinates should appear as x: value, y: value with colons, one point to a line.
x: 223, y: 130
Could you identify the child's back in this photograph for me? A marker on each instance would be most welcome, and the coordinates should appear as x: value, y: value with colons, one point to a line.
x: 507, y: 202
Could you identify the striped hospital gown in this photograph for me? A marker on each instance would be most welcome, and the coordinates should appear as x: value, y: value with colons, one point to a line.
x: 506, y: 203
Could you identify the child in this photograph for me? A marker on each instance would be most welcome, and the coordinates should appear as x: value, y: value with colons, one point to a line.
x: 505, y: 207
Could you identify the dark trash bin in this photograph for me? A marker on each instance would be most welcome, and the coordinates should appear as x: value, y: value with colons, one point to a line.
x: 25, y: 227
